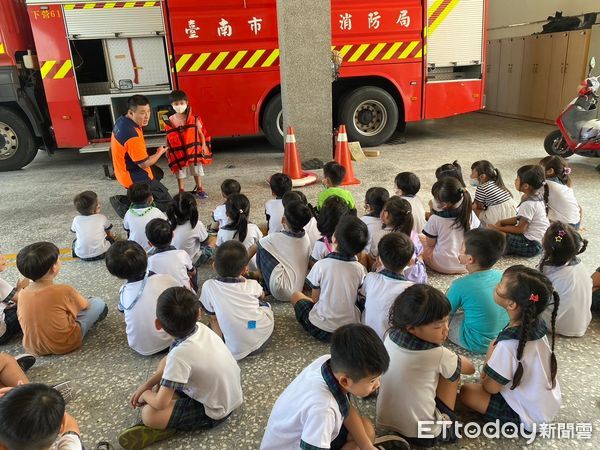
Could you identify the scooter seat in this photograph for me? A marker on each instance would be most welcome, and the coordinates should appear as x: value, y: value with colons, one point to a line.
x: 589, y: 130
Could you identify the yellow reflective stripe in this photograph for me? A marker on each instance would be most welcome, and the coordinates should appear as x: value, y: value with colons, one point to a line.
x: 89, y: 6
x: 392, y: 51
x: 358, y: 52
x: 236, y: 59
x: 2, y: 49
x: 148, y: 4
x: 250, y: 63
x: 345, y: 49
x: 375, y: 52
x: 129, y: 5
x: 70, y: 6
x: 443, y: 15
x: 408, y: 49
x: 419, y: 54
x: 109, y: 5
x: 63, y: 70
x: 434, y: 7
x: 198, y: 63
x: 272, y: 57
x: 182, y: 60
x: 47, y: 67
x: 217, y: 61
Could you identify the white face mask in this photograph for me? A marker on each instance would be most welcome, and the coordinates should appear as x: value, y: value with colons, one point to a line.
x: 180, y: 109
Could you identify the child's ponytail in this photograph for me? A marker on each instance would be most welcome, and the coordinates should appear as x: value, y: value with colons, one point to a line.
x: 448, y: 190
x: 484, y: 167
x: 561, y: 243
x: 527, y: 322
x: 400, y: 214
x: 553, y: 363
x: 237, y: 208
x: 182, y: 209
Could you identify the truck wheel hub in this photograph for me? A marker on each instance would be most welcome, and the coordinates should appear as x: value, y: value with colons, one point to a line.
x: 370, y: 118
x: 9, y: 143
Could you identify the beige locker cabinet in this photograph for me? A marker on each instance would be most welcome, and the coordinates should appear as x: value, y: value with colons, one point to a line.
x: 541, y: 75
x: 558, y: 58
x: 576, y: 66
x: 527, y: 76
x: 492, y: 74
x: 509, y: 77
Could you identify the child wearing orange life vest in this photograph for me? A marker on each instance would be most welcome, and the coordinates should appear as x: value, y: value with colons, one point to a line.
x: 188, y: 145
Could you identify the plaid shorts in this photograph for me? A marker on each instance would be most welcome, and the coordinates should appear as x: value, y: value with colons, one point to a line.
x: 518, y: 244
x: 266, y: 263
x: 442, y: 438
x: 302, y: 310
x: 190, y: 415
x: 13, y: 326
x: 498, y: 409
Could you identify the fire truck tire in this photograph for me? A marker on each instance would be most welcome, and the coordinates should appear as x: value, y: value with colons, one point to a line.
x: 17, y: 143
x: 555, y: 145
x: 272, y: 122
x: 370, y: 114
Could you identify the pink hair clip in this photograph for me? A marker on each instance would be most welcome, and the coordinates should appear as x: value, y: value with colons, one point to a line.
x: 534, y: 298
x: 567, y: 171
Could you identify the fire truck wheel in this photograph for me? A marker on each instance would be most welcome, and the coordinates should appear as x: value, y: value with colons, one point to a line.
x: 555, y: 145
x: 272, y: 123
x: 17, y: 144
x: 370, y: 115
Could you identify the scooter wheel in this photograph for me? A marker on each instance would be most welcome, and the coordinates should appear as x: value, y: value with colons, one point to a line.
x: 556, y: 145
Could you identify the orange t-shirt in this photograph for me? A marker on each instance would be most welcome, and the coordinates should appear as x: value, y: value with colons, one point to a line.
x: 128, y: 149
x: 48, y: 319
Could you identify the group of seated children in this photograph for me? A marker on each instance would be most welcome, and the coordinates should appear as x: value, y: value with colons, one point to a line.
x: 337, y: 271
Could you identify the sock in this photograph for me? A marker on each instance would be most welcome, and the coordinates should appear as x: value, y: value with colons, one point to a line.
x: 181, y: 191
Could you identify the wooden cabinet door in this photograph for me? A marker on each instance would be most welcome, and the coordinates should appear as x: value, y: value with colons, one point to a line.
x: 509, y: 77
x: 527, y: 76
x: 492, y: 74
x: 576, y: 66
x: 558, y: 59
x: 541, y: 75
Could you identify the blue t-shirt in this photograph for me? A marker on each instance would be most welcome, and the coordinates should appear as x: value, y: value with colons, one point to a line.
x: 484, y: 319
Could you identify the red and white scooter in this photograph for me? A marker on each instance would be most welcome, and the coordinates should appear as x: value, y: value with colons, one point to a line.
x: 578, y: 128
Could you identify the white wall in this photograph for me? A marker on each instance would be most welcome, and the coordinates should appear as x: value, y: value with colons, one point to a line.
x: 503, y: 13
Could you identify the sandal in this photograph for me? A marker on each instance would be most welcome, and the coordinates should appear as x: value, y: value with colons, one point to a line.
x: 141, y: 436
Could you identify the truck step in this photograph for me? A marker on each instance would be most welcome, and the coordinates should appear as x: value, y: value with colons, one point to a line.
x: 151, y: 142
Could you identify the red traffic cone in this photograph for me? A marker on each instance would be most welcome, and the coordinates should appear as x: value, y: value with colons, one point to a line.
x: 292, y: 166
x: 342, y: 156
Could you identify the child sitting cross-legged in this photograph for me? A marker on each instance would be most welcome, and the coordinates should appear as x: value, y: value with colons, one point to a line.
x: 518, y: 381
x: 33, y: 417
x: 54, y: 317
x: 333, y: 175
x: 380, y: 289
x: 141, y: 211
x: 92, y: 229
x: 165, y: 259
x: 423, y: 377
x: 477, y: 319
x: 311, y: 229
x: 234, y: 304
x: 280, y: 184
x: 334, y: 208
x: 127, y: 260
x: 408, y: 186
x: 375, y: 200
x: 9, y: 297
x: 195, y: 387
x: 335, y: 281
x: 189, y: 233
x: 282, y: 258
x: 315, y: 412
x: 219, y: 215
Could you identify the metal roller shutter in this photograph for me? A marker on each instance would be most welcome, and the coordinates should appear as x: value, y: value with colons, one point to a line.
x: 455, y: 34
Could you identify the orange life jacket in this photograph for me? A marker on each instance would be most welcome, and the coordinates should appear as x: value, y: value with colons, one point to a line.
x: 184, y: 145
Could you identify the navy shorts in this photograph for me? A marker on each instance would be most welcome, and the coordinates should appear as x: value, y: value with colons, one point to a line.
x: 518, y: 244
x: 302, y: 310
x: 190, y: 415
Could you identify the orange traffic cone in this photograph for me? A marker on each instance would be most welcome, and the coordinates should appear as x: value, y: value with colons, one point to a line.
x: 292, y: 166
x: 342, y: 156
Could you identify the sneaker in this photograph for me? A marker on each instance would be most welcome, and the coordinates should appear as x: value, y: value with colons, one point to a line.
x: 25, y: 361
x: 120, y: 204
x: 141, y: 436
x: 201, y: 194
x: 391, y: 442
x: 66, y: 390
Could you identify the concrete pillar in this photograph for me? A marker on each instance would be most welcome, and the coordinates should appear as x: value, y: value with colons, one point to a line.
x: 305, y: 57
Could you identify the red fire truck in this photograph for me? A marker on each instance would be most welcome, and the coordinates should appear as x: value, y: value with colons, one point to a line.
x: 67, y: 68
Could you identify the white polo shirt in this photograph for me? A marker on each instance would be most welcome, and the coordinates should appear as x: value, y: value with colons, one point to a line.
x: 252, y: 237
x: 339, y: 279
x: 534, y: 400
x: 220, y: 215
x: 562, y: 204
x: 135, y: 222
x: 418, y: 212
x: 534, y: 213
x: 374, y: 224
x: 308, y: 412
x: 142, y: 335
x: 574, y: 286
x: 380, y: 290
x: 320, y: 250
x: 245, y: 321
x: 190, y: 239
x: 312, y: 231
x: 202, y: 367
x: 274, y: 209
x: 449, y: 240
x: 90, y: 233
x: 176, y: 263
x: 407, y: 392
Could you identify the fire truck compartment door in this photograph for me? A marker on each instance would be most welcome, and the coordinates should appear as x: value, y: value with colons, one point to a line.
x: 455, y: 32
x: 114, y: 22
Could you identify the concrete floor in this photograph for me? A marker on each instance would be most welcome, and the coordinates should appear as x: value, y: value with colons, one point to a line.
x: 36, y: 204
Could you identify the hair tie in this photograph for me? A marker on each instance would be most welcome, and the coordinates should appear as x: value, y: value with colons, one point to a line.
x: 560, y: 235
x: 241, y: 211
x: 567, y: 171
x: 534, y: 298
